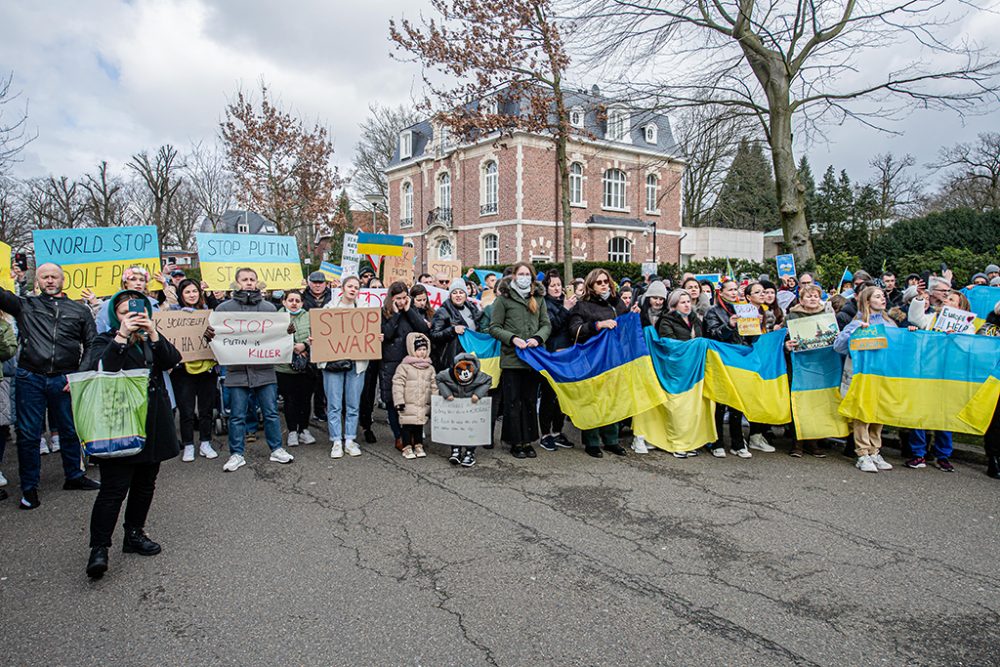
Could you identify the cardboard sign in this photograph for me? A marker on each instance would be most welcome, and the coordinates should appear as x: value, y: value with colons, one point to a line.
x: 460, y: 422
x: 812, y: 333
x: 786, y: 265
x: 869, y: 338
x: 748, y: 322
x: 369, y: 298
x: 274, y: 258
x: 350, y: 259
x: 955, y: 320
x: 648, y: 269
x: 345, y: 333
x: 251, y: 339
x: 398, y: 269
x: 450, y: 268
x: 6, y: 276
x: 96, y: 258
x: 186, y: 331
x: 487, y: 297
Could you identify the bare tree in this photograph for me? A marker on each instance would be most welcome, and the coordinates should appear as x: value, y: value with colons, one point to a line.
x: 379, y: 138
x: 208, y: 181
x: 185, y: 214
x: 898, y: 192
x: 14, y: 134
x: 15, y: 221
x: 161, y: 177
x: 103, y: 201
x: 790, y: 65
x: 55, y: 203
x: 973, y: 174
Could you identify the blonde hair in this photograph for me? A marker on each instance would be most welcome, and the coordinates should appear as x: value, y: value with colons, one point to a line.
x: 865, y: 303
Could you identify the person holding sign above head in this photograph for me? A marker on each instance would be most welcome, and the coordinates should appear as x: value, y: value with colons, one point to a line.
x: 259, y: 380
x: 399, y: 320
x: 295, y: 380
x: 55, y: 334
x: 412, y: 387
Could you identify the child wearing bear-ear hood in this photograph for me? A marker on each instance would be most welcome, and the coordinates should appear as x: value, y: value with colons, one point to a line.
x: 464, y: 379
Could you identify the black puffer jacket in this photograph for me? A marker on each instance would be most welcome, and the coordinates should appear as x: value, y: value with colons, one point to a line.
x: 444, y: 341
x: 672, y: 325
x: 396, y: 329
x: 560, y: 338
x: 310, y: 300
x: 716, y: 325
x: 55, y: 333
x: 587, y: 313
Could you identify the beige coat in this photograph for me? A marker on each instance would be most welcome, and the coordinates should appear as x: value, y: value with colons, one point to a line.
x: 412, y: 385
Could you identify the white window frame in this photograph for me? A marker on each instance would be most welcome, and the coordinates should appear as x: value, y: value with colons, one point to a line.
x: 242, y: 228
x: 490, y: 204
x: 491, y: 249
x: 614, y: 190
x: 489, y: 106
x: 615, y: 253
x: 406, y: 198
x: 442, y: 243
x: 405, y: 144
x: 619, y: 125
x: 576, y: 185
x: 576, y: 117
x: 652, y: 193
x: 444, y: 190
x: 650, y: 133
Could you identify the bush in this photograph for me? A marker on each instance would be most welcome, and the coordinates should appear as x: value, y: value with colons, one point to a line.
x: 740, y: 267
x: 618, y: 270
x: 969, y: 230
x: 962, y: 261
x: 830, y: 268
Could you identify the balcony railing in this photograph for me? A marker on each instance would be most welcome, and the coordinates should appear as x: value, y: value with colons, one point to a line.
x: 406, y: 222
x: 440, y: 216
x: 487, y: 209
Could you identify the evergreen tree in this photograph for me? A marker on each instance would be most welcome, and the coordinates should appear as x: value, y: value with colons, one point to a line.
x: 747, y: 199
x: 809, y: 185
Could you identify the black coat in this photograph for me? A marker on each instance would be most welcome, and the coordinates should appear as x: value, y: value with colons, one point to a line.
x: 560, y: 338
x: 55, y: 333
x: 716, y: 326
x: 847, y: 312
x: 672, y: 325
x: 444, y: 340
x: 394, y: 332
x: 161, y: 436
x: 587, y: 313
x: 310, y: 300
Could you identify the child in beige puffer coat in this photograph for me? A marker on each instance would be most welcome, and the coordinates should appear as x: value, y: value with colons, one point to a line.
x: 412, y: 386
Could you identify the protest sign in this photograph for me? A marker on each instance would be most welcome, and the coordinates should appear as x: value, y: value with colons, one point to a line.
x: 331, y: 271
x: 96, y: 258
x: 648, y: 269
x: 714, y: 278
x: 436, y: 296
x: 487, y: 297
x: 368, y: 298
x: 345, y: 333
x: 251, y: 339
x: 350, y: 259
x: 869, y: 338
x: 955, y: 320
x: 450, y: 268
x: 274, y: 258
x: 6, y: 276
x: 748, y: 322
x: 186, y: 332
x: 811, y: 333
x: 398, y: 268
x: 460, y: 422
x: 786, y: 265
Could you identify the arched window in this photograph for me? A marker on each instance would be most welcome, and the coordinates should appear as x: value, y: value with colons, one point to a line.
x: 614, y: 189
x: 619, y: 249
x: 444, y: 197
x: 406, y: 215
x: 491, y: 249
x: 576, y: 117
x: 652, y: 195
x: 619, y: 125
x: 491, y: 183
x: 444, y: 249
x: 650, y: 131
x: 576, y: 183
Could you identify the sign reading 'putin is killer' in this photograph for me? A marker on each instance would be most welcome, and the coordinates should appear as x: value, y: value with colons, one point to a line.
x: 95, y: 259
x: 345, y: 333
x: 274, y: 258
x: 251, y: 339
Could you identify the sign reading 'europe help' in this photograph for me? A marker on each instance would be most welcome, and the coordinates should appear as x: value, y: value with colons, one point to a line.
x: 96, y: 258
x: 274, y: 258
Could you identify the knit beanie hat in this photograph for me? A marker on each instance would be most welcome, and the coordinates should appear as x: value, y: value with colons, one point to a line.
x: 981, y: 275
x: 992, y: 268
x: 458, y: 284
x: 655, y: 288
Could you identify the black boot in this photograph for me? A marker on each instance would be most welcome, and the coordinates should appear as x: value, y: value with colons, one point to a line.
x: 98, y: 563
x: 137, y: 542
x: 993, y: 467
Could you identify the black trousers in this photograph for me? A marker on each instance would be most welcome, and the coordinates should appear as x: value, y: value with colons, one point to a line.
x: 135, y: 480
x: 297, y: 390
x: 550, y: 415
x: 991, y: 439
x: 520, y: 414
x: 195, y: 395
x: 735, y: 427
x: 412, y: 434
x: 368, y: 394
x: 318, y: 395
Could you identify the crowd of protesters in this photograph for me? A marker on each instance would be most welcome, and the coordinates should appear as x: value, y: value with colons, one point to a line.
x: 45, y: 336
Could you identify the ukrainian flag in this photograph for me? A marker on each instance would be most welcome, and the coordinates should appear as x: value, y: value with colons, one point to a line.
x: 380, y: 244
x: 926, y: 380
x: 982, y: 299
x: 486, y: 348
x: 331, y: 270
x: 754, y: 380
x: 816, y: 394
x: 606, y: 379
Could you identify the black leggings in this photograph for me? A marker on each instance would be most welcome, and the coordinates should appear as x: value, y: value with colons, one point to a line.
x: 199, y: 389
x: 735, y: 427
x: 520, y: 414
x: 137, y: 481
x: 297, y: 390
x: 991, y: 439
x: 367, y: 405
x: 550, y: 415
x: 413, y: 434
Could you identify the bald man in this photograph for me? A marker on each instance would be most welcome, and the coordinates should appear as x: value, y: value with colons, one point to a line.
x: 55, y: 333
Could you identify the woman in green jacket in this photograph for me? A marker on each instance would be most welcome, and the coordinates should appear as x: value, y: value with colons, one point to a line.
x: 520, y: 320
x: 295, y: 384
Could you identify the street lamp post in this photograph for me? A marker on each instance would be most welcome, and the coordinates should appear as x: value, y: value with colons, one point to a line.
x: 377, y: 203
x: 652, y: 224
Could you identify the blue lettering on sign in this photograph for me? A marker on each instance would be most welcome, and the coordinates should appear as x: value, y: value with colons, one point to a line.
x: 97, y: 244
x: 251, y: 249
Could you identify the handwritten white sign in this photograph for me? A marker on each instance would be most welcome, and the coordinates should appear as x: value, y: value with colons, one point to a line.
x: 367, y: 298
x: 460, y: 423
x: 251, y: 339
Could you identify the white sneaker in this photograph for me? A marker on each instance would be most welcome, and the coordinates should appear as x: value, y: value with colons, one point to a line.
x: 54, y: 443
x: 743, y: 453
x: 280, y: 455
x: 293, y: 439
x: 639, y: 445
x: 352, y: 448
x: 3, y: 480
x: 684, y: 455
x: 188, y: 454
x: 235, y: 462
x: 306, y: 438
x: 866, y: 464
x: 43, y: 446
x: 881, y: 463
x: 337, y: 451
x: 718, y: 452
x: 205, y: 449
x: 759, y: 442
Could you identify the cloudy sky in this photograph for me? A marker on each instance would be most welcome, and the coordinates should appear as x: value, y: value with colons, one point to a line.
x: 106, y: 78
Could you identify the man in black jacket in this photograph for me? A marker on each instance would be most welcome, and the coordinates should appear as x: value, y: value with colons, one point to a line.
x: 55, y: 334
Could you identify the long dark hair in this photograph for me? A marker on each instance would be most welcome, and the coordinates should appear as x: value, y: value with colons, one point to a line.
x: 182, y: 285
x: 397, y: 287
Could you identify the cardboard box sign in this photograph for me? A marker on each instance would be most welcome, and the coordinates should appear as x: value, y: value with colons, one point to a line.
x: 186, y: 331
x: 449, y: 267
x: 345, y: 333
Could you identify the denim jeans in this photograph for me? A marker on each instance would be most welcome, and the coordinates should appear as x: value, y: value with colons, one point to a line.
x: 35, y: 393
x: 942, y: 443
x: 267, y: 397
x: 343, y: 398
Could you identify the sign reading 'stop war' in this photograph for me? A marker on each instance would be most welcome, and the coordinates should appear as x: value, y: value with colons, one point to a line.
x: 95, y: 259
x: 274, y: 258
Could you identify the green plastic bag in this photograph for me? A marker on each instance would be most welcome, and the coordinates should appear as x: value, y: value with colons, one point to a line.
x: 109, y: 410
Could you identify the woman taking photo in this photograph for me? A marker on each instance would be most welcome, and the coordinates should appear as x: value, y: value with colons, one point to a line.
x: 596, y: 311
x: 399, y: 319
x: 132, y: 343
x: 343, y: 382
x: 296, y: 380
x: 810, y: 303
x: 450, y: 321
x: 550, y: 415
x: 195, y: 383
x: 520, y: 320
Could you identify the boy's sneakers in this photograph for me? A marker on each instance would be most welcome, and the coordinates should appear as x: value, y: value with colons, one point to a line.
x: 418, y: 451
x: 469, y: 459
x: 639, y: 445
x: 352, y: 448
x: 280, y: 455
x: 548, y: 443
x: 866, y: 464
x: 456, y: 455
x: 235, y: 462
x: 29, y: 500
x: 718, y: 452
x: 188, y: 454
x: 743, y: 453
x: 293, y: 438
x: 54, y: 443
x: 337, y: 451
x: 760, y: 443
x: 880, y: 462
x: 945, y: 464
x: 43, y: 446
x: 205, y: 449
x: 306, y: 438
x: 562, y: 441
x: 408, y: 453
x: 916, y: 462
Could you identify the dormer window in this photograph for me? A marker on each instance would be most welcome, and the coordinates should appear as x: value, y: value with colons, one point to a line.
x: 405, y: 144
x: 445, y: 140
x: 576, y: 117
x: 650, y: 132
x: 619, y: 125
x: 489, y: 106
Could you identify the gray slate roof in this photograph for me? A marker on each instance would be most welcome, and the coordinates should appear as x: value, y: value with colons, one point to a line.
x: 231, y: 220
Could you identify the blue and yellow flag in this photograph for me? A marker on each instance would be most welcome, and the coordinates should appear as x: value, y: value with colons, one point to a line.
x: 982, y: 299
x: 816, y: 394
x: 486, y: 348
x: 380, y: 244
x: 925, y: 380
x: 754, y: 380
x: 602, y: 381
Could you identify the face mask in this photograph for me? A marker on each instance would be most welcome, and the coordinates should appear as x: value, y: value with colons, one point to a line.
x: 277, y: 294
x: 295, y: 312
x: 523, y: 282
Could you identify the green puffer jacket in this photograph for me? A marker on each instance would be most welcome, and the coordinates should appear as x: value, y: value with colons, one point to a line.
x: 8, y: 342
x: 512, y: 319
x: 301, y: 335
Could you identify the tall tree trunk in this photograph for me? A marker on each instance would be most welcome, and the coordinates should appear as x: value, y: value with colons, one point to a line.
x: 791, y: 192
x: 562, y: 161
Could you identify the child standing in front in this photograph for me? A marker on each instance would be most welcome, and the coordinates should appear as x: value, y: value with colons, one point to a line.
x: 464, y: 380
x: 412, y: 386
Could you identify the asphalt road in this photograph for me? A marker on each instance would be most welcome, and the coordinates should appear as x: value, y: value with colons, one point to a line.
x: 561, y: 560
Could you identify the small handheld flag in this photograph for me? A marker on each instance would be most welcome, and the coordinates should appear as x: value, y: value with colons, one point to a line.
x: 380, y: 244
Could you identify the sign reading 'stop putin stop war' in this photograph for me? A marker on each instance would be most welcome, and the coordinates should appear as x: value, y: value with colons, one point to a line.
x: 274, y: 258
x: 96, y: 258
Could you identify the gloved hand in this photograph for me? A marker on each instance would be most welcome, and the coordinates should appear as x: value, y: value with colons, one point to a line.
x: 401, y: 407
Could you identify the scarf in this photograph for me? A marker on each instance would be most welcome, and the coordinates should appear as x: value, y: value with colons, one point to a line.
x: 523, y: 292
